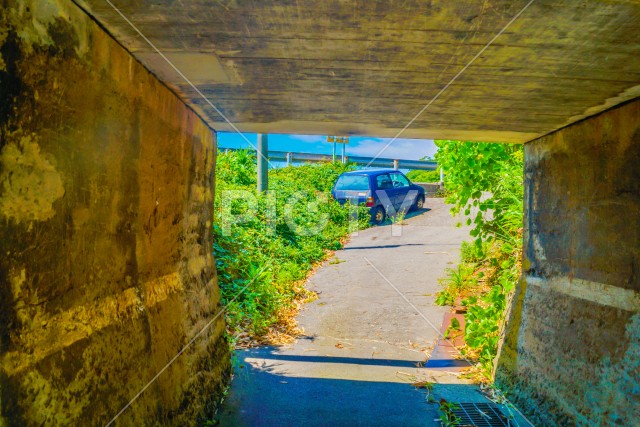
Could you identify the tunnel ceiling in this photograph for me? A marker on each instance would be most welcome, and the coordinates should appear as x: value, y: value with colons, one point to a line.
x: 368, y: 68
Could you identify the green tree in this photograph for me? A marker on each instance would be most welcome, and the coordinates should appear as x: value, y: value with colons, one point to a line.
x: 489, y: 177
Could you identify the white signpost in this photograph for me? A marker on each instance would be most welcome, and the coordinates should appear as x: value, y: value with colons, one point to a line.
x: 344, y: 140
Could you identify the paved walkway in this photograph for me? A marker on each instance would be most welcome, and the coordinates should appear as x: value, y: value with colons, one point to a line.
x: 366, y: 337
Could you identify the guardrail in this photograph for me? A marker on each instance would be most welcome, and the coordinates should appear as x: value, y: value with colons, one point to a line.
x: 290, y: 157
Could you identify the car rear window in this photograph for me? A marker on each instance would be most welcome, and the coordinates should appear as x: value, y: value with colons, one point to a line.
x: 353, y: 182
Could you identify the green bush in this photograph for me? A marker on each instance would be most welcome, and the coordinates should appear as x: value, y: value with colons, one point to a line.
x: 473, y: 253
x: 489, y: 178
x: 424, y: 176
x: 262, y: 259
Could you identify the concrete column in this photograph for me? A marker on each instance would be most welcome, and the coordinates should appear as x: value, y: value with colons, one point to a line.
x: 344, y: 157
x: 289, y: 156
x: 441, y: 176
x: 263, y: 162
x: 396, y: 164
x: 572, y: 345
x: 334, y: 152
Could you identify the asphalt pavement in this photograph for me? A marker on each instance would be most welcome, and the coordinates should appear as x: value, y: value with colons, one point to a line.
x: 366, y: 338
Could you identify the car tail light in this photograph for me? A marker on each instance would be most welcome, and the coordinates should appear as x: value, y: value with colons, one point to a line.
x: 370, y: 202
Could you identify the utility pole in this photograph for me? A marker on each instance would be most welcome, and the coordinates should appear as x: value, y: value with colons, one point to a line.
x: 263, y: 163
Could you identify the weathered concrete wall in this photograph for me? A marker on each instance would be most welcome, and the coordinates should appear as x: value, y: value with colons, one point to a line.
x: 572, y: 351
x: 106, y: 272
x: 430, y: 188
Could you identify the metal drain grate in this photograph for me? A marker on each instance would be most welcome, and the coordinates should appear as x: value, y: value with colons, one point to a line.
x: 480, y: 415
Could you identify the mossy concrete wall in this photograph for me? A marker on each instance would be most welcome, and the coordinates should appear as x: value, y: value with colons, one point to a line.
x: 106, y: 182
x: 571, y: 355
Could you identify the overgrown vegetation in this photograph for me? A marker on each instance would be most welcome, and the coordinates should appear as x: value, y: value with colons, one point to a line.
x: 424, y: 176
x: 484, y: 181
x: 265, y: 245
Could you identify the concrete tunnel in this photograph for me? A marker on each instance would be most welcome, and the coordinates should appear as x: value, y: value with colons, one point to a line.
x: 107, y: 157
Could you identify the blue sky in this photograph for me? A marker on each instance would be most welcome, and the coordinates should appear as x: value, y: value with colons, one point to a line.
x: 401, y: 148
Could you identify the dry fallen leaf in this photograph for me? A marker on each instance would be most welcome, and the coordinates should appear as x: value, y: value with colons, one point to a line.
x: 339, y: 345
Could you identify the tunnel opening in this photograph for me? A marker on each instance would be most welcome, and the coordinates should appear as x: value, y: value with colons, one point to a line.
x: 110, y: 113
x: 324, y: 352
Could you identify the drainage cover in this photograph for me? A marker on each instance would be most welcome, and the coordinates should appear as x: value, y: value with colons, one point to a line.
x: 480, y: 415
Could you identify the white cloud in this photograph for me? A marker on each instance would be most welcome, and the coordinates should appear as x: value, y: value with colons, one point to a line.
x: 309, y: 138
x: 409, y: 149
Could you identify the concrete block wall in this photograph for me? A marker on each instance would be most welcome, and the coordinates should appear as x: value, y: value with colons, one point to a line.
x: 571, y: 355
x: 430, y: 188
x: 106, y: 191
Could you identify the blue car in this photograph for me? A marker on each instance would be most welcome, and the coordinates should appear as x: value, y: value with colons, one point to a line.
x: 385, y: 191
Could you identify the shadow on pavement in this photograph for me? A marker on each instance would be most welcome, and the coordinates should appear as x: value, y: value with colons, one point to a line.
x: 411, y: 214
x: 350, y: 248
x: 417, y: 213
x: 348, y: 360
x: 260, y: 397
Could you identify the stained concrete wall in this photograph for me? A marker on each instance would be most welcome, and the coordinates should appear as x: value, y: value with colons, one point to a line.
x: 572, y: 350
x: 106, y: 272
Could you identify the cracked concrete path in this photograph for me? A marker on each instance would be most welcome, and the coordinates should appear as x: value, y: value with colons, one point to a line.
x: 366, y: 337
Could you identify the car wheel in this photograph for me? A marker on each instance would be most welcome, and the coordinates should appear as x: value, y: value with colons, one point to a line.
x: 378, y: 215
x: 419, y: 203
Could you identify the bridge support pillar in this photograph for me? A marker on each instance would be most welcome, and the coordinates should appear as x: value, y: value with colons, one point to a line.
x: 106, y: 198
x: 571, y: 354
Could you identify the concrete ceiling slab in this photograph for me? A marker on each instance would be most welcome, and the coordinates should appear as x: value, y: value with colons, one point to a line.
x: 200, y: 68
x: 348, y: 67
